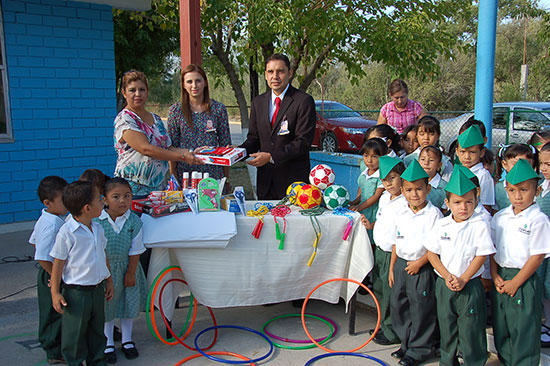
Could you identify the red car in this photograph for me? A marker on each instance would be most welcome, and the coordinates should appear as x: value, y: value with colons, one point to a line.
x: 339, y: 128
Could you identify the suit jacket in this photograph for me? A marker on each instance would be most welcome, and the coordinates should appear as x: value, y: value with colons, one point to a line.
x: 289, y: 151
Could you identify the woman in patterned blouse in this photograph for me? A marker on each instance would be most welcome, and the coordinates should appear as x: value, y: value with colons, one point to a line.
x: 197, y: 121
x: 141, y: 142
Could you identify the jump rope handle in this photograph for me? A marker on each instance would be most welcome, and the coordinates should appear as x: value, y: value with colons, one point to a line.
x: 348, y: 230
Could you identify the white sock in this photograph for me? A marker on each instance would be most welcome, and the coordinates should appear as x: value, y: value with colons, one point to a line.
x: 126, y: 326
x: 108, y: 329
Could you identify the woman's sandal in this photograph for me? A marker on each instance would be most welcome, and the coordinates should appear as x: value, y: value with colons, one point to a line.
x: 110, y: 356
x: 131, y: 352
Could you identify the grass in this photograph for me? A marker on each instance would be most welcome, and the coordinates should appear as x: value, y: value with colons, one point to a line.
x: 238, y: 176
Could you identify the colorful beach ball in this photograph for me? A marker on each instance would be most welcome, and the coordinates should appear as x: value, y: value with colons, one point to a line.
x: 293, y: 189
x: 321, y: 176
x: 309, y: 196
x: 336, y: 196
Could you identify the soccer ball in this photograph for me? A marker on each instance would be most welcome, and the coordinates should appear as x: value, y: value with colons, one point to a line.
x: 336, y: 196
x: 293, y: 189
x: 321, y: 176
x: 309, y: 196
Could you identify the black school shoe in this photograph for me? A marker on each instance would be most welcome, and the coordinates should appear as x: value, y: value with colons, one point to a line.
x: 408, y: 361
x: 382, y: 340
x: 399, y: 354
x: 110, y: 356
x: 130, y: 353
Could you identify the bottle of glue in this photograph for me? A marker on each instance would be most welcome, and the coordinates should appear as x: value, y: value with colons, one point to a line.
x: 185, y: 180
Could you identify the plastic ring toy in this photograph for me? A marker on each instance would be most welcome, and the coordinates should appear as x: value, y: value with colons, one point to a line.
x: 322, y: 340
x: 167, y: 324
x: 192, y: 357
x: 229, y: 361
x: 334, y: 280
x: 325, y: 355
x: 151, y: 323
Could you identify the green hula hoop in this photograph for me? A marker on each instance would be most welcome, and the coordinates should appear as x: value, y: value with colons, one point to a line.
x: 148, y: 309
x: 309, y: 346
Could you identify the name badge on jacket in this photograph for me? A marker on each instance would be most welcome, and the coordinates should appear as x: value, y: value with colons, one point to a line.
x: 284, y: 127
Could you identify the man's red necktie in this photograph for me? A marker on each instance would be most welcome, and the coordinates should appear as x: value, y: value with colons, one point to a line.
x: 277, y: 103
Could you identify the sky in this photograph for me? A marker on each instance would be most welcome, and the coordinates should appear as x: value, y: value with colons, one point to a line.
x: 545, y: 4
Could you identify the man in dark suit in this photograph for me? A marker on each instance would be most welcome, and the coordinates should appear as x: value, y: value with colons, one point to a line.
x: 281, y: 129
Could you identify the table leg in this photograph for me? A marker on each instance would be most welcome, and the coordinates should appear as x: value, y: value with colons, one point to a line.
x: 352, y: 311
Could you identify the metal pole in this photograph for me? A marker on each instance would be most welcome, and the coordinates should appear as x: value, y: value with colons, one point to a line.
x: 485, y: 66
x: 190, y: 32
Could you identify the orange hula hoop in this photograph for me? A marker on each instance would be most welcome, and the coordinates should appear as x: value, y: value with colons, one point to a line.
x: 334, y: 280
x: 215, y: 353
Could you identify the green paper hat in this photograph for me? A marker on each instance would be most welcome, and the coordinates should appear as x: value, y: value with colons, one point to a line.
x: 521, y: 172
x: 459, y: 183
x: 467, y: 172
x: 414, y: 172
x: 471, y: 137
x: 386, y: 164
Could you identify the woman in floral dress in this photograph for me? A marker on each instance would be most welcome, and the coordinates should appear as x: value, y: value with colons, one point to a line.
x: 197, y: 121
x: 141, y: 141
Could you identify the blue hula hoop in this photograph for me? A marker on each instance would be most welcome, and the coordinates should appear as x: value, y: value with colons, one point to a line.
x: 254, y: 360
x: 325, y: 355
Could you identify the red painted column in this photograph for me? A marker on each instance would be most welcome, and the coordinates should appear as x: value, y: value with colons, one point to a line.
x: 190, y: 32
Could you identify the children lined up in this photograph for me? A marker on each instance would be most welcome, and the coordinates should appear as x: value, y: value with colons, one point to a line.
x: 457, y: 246
x: 90, y: 271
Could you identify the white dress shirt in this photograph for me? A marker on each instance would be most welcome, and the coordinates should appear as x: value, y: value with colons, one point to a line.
x: 43, y: 235
x: 518, y: 237
x: 486, y: 184
x: 84, y: 253
x: 458, y: 243
x: 384, y: 227
x: 411, y: 230
x: 273, y: 105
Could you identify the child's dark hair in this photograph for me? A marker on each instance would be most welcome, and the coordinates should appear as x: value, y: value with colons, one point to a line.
x: 538, y: 137
x: 399, y: 168
x: 488, y: 158
x: 545, y: 147
x: 429, y: 124
x: 433, y: 149
x: 50, y: 187
x: 110, y: 184
x: 470, y: 122
x: 375, y: 144
x: 96, y: 177
x: 77, y: 195
x: 406, y: 131
x: 512, y: 151
x: 386, y: 131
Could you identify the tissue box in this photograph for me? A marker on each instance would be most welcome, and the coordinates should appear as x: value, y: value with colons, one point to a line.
x: 216, y: 156
x: 229, y: 203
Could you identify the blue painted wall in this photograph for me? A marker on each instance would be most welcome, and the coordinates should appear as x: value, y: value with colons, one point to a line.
x: 60, y: 63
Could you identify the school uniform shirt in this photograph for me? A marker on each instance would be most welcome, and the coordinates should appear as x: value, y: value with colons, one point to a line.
x: 501, y: 196
x: 43, y: 235
x: 412, y: 229
x: 457, y: 243
x: 518, y: 237
x: 486, y: 184
x: 446, y: 167
x: 543, y: 200
x: 412, y: 156
x: 437, y: 193
x: 137, y: 246
x: 383, y: 229
x: 84, y: 252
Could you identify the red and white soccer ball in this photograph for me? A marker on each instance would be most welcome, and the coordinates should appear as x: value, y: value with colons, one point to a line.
x: 321, y: 176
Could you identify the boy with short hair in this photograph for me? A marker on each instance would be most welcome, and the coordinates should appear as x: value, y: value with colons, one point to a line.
x: 520, y: 232
x: 390, y: 201
x: 410, y: 276
x: 42, y: 238
x: 457, y: 248
x: 470, y: 151
x: 80, y: 259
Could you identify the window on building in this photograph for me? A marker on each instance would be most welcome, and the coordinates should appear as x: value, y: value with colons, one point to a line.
x: 5, y: 121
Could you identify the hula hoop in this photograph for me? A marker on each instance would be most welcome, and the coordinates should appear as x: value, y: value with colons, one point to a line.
x: 214, y: 353
x: 322, y: 340
x: 151, y: 323
x: 167, y: 324
x: 229, y: 361
x: 325, y: 355
x: 334, y: 280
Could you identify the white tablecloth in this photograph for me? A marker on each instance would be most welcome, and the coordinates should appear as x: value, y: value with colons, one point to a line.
x: 253, y: 271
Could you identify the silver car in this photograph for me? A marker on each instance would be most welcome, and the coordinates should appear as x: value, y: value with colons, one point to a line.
x: 513, y: 122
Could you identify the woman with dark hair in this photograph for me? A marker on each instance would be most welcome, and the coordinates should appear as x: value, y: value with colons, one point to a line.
x: 401, y: 111
x: 197, y: 121
x: 141, y: 142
